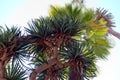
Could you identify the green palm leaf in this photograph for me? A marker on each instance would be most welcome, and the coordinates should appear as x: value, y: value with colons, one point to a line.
x: 11, y: 39
x: 40, y: 28
x: 66, y: 25
x: 15, y: 72
x: 9, y: 35
x: 69, y: 9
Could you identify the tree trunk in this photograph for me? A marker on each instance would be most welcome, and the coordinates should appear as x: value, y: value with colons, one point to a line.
x: 76, y: 71
x: 114, y: 33
x: 2, y: 71
x: 52, y: 74
x: 75, y: 75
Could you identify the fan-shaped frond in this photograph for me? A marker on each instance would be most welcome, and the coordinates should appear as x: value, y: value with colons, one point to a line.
x: 69, y: 9
x: 100, y: 44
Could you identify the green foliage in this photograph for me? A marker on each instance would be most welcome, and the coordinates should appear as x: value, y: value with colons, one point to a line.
x: 79, y: 16
x: 82, y: 53
x: 39, y: 28
x: 64, y: 73
x: 12, y: 36
x: 69, y: 9
x: 86, y: 44
x: 101, y: 48
x: 15, y: 72
x: 9, y: 35
x: 66, y: 25
x: 88, y: 40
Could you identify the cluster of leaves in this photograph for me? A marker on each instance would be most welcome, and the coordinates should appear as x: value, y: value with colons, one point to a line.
x: 87, y: 41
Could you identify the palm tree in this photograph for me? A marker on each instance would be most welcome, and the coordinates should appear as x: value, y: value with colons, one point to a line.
x: 10, y: 45
x: 64, y: 45
x: 50, y: 34
x: 69, y: 23
x: 102, y: 13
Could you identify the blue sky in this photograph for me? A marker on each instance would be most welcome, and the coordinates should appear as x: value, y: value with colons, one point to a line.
x: 19, y: 12
x: 8, y: 9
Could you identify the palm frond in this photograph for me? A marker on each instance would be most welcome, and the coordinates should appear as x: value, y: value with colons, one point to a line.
x: 102, y: 13
x: 100, y: 45
x: 69, y: 9
x: 39, y: 28
x: 15, y: 72
x: 12, y: 36
x: 65, y: 19
x: 88, y: 15
x: 9, y: 34
x: 66, y: 25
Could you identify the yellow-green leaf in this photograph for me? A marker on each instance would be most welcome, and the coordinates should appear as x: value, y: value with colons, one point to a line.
x: 101, y: 32
x: 102, y: 22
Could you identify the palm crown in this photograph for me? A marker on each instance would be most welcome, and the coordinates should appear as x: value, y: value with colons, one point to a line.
x: 10, y: 48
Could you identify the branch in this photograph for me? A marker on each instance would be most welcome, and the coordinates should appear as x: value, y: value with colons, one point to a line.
x: 66, y: 64
x: 114, y: 33
x: 42, y: 68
